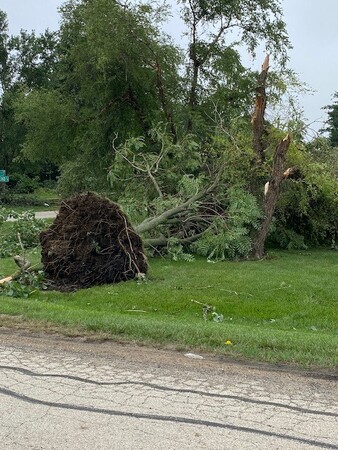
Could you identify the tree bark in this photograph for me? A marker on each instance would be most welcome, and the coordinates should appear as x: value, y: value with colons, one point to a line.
x: 271, y: 197
x: 195, y: 71
x: 257, y: 120
x: 165, y: 107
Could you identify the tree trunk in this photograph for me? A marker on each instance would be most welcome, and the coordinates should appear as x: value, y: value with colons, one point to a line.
x: 271, y: 197
x: 165, y: 107
x: 194, y: 83
x: 257, y: 120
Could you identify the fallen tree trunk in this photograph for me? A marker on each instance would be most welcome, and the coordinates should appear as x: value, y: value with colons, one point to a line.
x: 175, y: 212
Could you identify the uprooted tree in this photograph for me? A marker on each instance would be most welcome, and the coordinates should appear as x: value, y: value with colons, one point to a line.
x: 91, y: 242
x: 207, y: 214
x: 187, y: 180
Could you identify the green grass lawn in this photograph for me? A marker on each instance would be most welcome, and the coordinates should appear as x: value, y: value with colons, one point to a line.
x: 282, y: 309
x: 44, y: 199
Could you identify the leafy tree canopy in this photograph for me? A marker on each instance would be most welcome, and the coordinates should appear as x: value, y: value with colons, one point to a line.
x: 332, y: 121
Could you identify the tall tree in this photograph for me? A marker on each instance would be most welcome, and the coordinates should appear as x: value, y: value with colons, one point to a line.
x: 116, y: 76
x: 4, y: 53
x: 215, y: 27
x: 10, y: 133
x: 332, y: 121
x: 33, y: 59
x: 27, y: 61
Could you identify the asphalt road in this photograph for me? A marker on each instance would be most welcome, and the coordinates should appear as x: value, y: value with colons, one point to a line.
x: 46, y: 214
x: 40, y: 215
x: 58, y: 393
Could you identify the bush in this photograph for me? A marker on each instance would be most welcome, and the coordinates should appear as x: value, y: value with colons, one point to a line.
x: 25, y: 225
x: 23, y: 184
x: 49, y: 184
x: 230, y: 238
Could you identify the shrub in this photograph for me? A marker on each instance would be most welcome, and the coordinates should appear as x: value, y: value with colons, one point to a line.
x: 25, y: 225
x: 231, y: 238
x: 23, y: 184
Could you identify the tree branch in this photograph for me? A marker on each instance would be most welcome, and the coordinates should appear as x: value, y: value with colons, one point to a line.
x: 149, y: 224
x: 156, y: 185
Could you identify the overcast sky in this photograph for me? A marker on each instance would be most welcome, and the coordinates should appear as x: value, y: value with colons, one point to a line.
x: 312, y: 27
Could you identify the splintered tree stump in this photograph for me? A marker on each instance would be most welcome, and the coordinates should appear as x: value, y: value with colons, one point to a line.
x: 91, y: 242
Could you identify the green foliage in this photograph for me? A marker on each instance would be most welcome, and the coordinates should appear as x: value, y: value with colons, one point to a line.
x: 332, y: 121
x: 230, y: 237
x: 214, y: 66
x: 48, y: 119
x: 255, y: 20
x: 11, y: 132
x: 24, y: 225
x: 24, y: 285
x: 164, y: 168
x: 307, y: 210
x: 283, y: 237
x: 15, y: 289
x: 23, y: 184
x: 27, y: 61
x: 77, y: 177
x: 5, y: 70
x: 10, y: 199
x: 189, y: 185
x: 111, y: 62
x: 209, y: 312
x: 28, y: 227
x: 176, y: 251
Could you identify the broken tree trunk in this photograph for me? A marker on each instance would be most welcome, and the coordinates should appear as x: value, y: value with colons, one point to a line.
x: 271, y: 197
x: 272, y: 187
x: 257, y: 120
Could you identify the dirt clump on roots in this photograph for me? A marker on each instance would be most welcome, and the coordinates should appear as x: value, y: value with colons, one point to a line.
x: 91, y: 242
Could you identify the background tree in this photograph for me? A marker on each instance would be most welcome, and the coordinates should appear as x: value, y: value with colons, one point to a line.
x: 306, y: 213
x: 332, y: 121
x: 116, y: 76
x: 27, y: 62
x: 11, y: 135
x: 215, y: 28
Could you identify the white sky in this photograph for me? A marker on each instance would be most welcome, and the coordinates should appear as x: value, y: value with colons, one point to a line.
x: 312, y: 27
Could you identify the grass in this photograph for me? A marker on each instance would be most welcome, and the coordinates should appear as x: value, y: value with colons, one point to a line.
x: 44, y: 199
x: 282, y: 309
